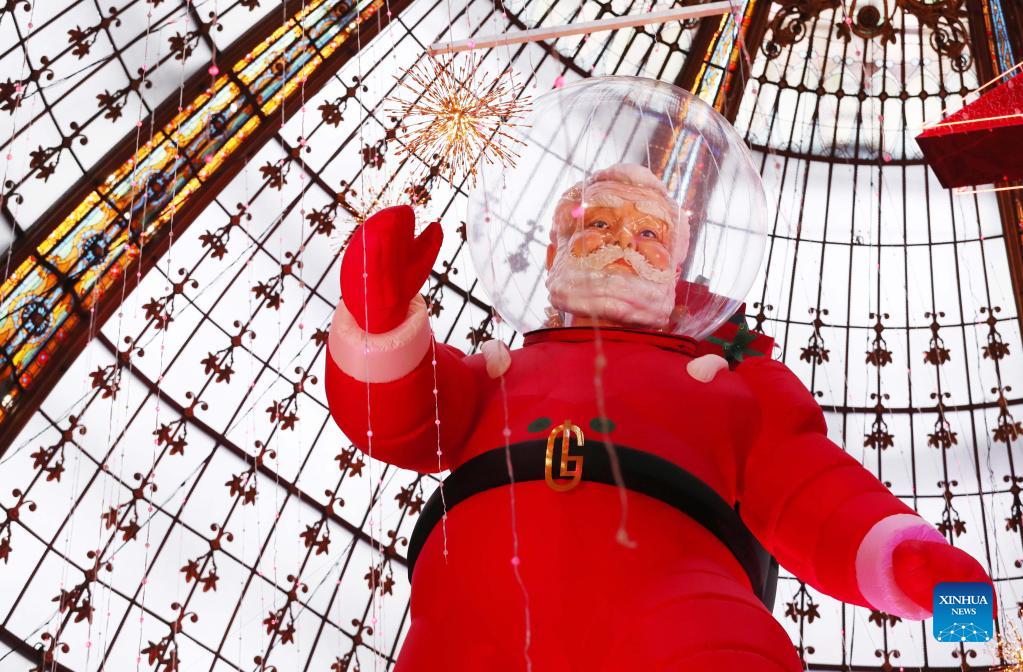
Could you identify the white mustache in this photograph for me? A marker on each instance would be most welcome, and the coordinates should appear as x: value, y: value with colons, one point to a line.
x: 581, y: 286
x: 608, y: 254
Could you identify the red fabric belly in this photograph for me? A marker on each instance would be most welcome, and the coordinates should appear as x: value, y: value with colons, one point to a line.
x: 570, y: 559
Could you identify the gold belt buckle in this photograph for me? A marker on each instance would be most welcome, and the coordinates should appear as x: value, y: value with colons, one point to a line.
x: 571, y: 465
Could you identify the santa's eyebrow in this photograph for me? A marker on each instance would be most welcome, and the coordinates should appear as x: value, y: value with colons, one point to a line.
x: 645, y: 218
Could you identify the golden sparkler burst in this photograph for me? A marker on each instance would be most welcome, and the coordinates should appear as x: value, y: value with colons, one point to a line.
x: 1009, y: 649
x: 360, y: 201
x: 453, y: 111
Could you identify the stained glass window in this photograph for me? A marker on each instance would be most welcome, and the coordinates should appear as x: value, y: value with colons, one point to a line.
x: 1002, y: 44
x: 64, y: 276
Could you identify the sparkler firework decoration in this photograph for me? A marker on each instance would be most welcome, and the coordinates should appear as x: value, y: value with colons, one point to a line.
x: 457, y: 114
x: 1008, y: 647
x: 361, y: 200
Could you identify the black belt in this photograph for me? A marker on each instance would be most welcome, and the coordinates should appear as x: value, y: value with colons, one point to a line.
x: 641, y: 472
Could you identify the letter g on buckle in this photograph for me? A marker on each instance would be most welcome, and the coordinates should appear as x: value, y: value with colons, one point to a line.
x: 571, y: 465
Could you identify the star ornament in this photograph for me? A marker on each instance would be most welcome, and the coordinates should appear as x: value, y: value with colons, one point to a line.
x: 461, y: 116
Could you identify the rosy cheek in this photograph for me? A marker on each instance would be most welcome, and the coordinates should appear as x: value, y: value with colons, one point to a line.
x: 656, y: 253
x: 585, y: 242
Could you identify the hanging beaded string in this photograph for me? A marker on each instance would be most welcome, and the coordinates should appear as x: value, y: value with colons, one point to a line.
x: 138, y: 278
x: 275, y: 436
x: 376, y: 485
x: 379, y: 619
x: 107, y: 487
x: 249, y: 430
x: 599, y: 364
x: 461, y: 261
x: 74, y: 496
x: 433, y: 341
x: 600, y: 358
x: 431, y: 298
x: 515, y: 560
x: 301, y: 272
x: 380, y: 200
x: 359, y: 211
x: 440, y: 452
x: 436, y: 386
x: 102, y: 466
x: 9, y: 157
x: 375, y: 525
x: 249, y: 417
x: 112, y: 482
x: 7, y: 165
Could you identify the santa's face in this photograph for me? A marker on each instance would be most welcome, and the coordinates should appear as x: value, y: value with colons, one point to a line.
x: 626, y: 227
x: 615, y: 266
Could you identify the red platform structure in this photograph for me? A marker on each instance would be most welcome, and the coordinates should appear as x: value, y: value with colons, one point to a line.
x: 980, y: 143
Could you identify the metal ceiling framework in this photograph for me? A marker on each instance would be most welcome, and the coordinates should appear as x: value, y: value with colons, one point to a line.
x: 273, y: 276
x: 830, y: 110
x: 104, y: 235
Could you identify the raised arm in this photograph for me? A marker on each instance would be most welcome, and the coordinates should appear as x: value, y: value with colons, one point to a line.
x: 830, y: 521
x: 380, y: 371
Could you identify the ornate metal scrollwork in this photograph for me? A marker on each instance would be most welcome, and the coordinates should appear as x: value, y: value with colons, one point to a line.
x: 788, y: 26
x: 875, y: 19
x: 869, y: 21
x: 949, y: 34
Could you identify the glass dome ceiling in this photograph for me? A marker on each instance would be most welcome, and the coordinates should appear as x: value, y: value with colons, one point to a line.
x: 178, y: 497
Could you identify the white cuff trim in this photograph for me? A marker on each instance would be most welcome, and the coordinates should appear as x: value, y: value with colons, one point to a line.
x: 874, y: 572
x: 379, y: 358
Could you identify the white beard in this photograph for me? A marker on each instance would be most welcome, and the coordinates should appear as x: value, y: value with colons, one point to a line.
x: 581, y: 286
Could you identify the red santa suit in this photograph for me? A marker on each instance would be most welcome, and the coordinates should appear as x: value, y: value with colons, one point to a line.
x: 526, y: 577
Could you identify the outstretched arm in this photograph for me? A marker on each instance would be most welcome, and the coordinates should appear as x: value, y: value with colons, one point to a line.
x: 829, y: 520
x: 396, y: 394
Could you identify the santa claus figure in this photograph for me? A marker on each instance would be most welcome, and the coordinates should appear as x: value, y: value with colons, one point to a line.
x: 610, y: 488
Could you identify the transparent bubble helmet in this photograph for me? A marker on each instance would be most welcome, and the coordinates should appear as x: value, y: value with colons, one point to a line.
x: 616, y: 154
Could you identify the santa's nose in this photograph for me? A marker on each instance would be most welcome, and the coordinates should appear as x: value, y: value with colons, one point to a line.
x: 624, y: 237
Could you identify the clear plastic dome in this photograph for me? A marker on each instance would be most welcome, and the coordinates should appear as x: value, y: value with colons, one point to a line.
x: 632, y: 203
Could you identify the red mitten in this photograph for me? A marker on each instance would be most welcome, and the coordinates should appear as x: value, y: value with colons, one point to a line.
x: 921, y: 565
x: 396, y: 265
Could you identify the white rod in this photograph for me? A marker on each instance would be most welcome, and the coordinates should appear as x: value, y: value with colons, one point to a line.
x: 554, y: 32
